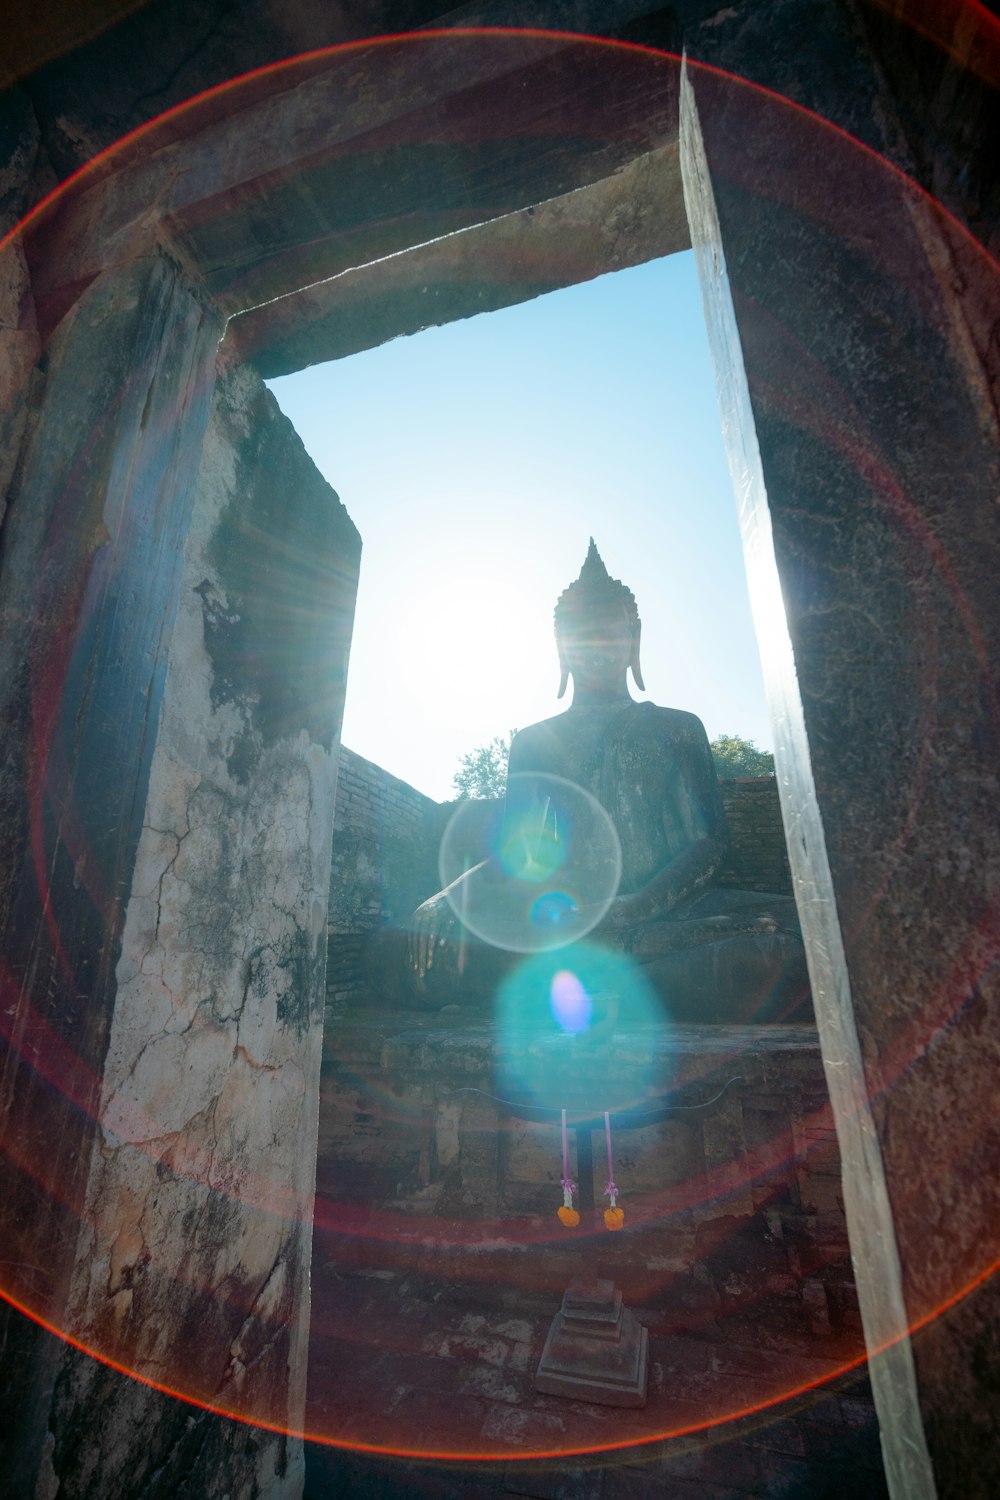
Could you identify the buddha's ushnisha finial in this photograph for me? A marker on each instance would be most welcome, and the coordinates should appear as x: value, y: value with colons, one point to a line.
x: 591, y: 592
x: 593, y: 571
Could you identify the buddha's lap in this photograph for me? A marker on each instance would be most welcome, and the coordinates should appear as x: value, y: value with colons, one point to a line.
x: 713, y: 916
x: 743, y: 977
x: 727, y: 955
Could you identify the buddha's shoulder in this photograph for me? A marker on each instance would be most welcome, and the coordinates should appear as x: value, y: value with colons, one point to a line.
x: 545, y: 731
x: 648, y: 718
x: 543, y: 726
x: 677, y: 723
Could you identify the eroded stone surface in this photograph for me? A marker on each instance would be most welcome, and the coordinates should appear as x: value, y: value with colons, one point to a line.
x: 92, y: 551
x: 856, y: 291
x: 193, y: 1264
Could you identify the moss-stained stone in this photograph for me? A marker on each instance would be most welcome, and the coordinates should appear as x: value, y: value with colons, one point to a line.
x: 92, y: 552
x: 194, y: 1261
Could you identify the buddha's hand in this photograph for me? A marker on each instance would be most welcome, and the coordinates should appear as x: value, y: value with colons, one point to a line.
x: 622, y: 916
x: 431, y: 925
x: 611, y: 925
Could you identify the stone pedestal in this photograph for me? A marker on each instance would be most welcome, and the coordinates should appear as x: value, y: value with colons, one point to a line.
x: 597, y: 1350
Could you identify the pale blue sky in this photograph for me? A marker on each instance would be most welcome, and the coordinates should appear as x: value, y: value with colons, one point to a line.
x: 477, y: 459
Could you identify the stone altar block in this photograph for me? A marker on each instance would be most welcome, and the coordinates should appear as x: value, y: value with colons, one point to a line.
x: 596, y: 1350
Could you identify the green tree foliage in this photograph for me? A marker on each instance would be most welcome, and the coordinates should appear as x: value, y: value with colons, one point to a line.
x: 483, y: 772
x: 734, y: 756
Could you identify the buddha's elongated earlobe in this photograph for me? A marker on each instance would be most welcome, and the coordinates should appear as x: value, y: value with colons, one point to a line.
x: 563, y: 671
x: 634, y: 658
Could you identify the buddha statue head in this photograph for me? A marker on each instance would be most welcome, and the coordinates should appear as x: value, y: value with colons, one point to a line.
x: 597, y: 632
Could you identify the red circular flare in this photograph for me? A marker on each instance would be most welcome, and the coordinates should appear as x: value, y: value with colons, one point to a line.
x: 839, y: 425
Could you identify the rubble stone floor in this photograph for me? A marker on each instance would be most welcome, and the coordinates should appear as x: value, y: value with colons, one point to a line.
x: 413, y: 1361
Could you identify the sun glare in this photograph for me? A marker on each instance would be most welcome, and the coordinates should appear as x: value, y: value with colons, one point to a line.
x: 477, y: 460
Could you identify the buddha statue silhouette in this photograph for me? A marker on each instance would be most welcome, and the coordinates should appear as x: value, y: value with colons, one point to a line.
x: 711, y: 954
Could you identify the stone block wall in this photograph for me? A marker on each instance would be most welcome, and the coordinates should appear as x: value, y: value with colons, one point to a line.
x: 384, y: 863
x: 420, y: 1166
x: 758, y: 856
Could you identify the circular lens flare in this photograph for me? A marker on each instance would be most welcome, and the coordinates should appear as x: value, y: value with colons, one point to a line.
x: 574, y: 1031
x: 553, y: 909
x: 535, y: 872
x: 532, y: 850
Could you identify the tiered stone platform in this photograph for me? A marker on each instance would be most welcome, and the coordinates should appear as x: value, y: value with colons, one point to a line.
x: 413, y: 1123
x: 439, y: 1264
x: 411, y: 1364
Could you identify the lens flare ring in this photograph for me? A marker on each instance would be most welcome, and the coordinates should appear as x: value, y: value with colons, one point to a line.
x: 555, y: 905
x: 543, y: 866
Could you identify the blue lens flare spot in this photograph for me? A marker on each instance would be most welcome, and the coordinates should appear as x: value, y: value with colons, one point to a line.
x: 570, y: 1002
x: 552, y: 908
x: 570, y: 1024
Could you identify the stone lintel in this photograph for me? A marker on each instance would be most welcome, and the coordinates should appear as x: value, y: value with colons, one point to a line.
x: 338, y: 161
x: 630, y: 217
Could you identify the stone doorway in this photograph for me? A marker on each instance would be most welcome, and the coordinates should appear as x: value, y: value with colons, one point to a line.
x: 391, y: 1163
x: 107, y: 248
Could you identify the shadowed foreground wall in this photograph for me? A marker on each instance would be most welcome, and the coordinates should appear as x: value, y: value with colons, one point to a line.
x: 92, y: 549
x: 193, y: 1265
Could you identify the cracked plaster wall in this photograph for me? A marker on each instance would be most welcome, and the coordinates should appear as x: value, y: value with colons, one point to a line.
x: 92, y: 542
x: 193, y: 1266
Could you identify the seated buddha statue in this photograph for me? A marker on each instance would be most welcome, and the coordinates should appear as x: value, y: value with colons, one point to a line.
x: 712, y: 954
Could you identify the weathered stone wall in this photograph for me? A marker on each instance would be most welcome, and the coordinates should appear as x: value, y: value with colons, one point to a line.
x: 384, y: 863
x: 866, y: 323
x: 192, y: 1267
x: 422, y: 1168
x: 93, y: 544
x: 758, y: 854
